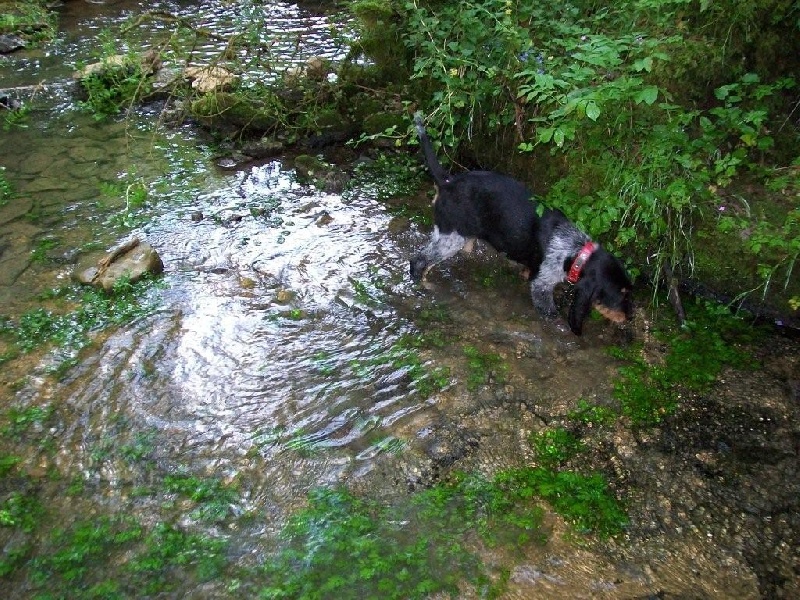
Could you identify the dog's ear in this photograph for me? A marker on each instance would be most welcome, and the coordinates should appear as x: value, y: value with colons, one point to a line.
x: 581, y: 305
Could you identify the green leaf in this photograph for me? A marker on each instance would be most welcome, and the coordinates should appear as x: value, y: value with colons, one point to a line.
x: 558, y: 137
x: 643, y: 64
x: 545, y: 135
x: 647, y: 95
x: 592, y: 110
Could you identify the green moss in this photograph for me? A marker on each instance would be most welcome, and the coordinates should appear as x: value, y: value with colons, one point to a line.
x: 225, y: 110
x: 590, y: 414
x: 650, y: 390
x: 555, y: 447
x: 81, y: 311
x: 351, y: 547
x: 584, y: 500
x: 382, y: 122
x: 5, y: 188
x: 483, y: 367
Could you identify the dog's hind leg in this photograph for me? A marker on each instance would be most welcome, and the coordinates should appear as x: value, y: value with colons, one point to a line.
x: 440, y: 247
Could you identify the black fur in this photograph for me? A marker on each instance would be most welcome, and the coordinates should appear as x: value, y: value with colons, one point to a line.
x: 501, y: 211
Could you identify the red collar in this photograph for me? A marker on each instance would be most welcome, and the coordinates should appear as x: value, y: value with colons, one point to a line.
x: 580, y: 260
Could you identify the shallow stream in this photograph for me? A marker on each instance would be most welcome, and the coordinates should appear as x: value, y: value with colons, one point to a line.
x: 276, y: 359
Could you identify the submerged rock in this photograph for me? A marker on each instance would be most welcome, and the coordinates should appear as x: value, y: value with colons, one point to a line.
x: 130, y: 261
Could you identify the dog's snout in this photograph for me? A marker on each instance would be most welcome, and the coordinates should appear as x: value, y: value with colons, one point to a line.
x: 417, y: 267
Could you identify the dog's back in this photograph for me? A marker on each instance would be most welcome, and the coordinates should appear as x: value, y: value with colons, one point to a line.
x: 494, y: 208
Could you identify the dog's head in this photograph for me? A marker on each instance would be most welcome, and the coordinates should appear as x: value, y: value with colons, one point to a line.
x: 418, y: 267
x: 603, y: 285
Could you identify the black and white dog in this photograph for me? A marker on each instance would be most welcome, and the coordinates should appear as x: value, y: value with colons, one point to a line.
x: 501, y: 211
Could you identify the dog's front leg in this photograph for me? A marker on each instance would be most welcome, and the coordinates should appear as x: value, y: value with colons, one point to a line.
x: 542, y: 297
x: 549, y: 276
x: 440, y: 247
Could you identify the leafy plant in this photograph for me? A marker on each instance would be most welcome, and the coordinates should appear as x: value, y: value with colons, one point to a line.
x: 589, y: 414
x: 15, y: 116
x: 29, y: 19
x: 390, y: 175
x: 613, y: 105
x: 85, y: 310
x: 116, y: 81
x: 43, y: 246
x: 21, y: 420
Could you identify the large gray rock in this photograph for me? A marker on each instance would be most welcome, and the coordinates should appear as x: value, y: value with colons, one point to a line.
x: 9, y: 43
x: 130, y: 261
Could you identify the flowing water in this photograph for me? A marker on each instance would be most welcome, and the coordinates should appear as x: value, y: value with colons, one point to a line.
x: 274, y: 357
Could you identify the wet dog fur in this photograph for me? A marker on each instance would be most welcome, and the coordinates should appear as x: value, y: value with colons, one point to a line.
x: 501, y: 211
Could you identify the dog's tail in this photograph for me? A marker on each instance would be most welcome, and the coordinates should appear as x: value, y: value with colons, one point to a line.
x: 440, y: 176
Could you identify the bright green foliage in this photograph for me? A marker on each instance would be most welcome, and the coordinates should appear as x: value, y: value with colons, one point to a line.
x: 114, y: 89
x: 167, y: 551
x: 29, y: 19
x: 18, y: 421
x: 650, y: 391
x: 75, y: 550
x: 20, y: 510
x: 118, y: 83
x: 350, y: 547
x: 590, y: 414
x: 154, y: 560
x: 347, y: 547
